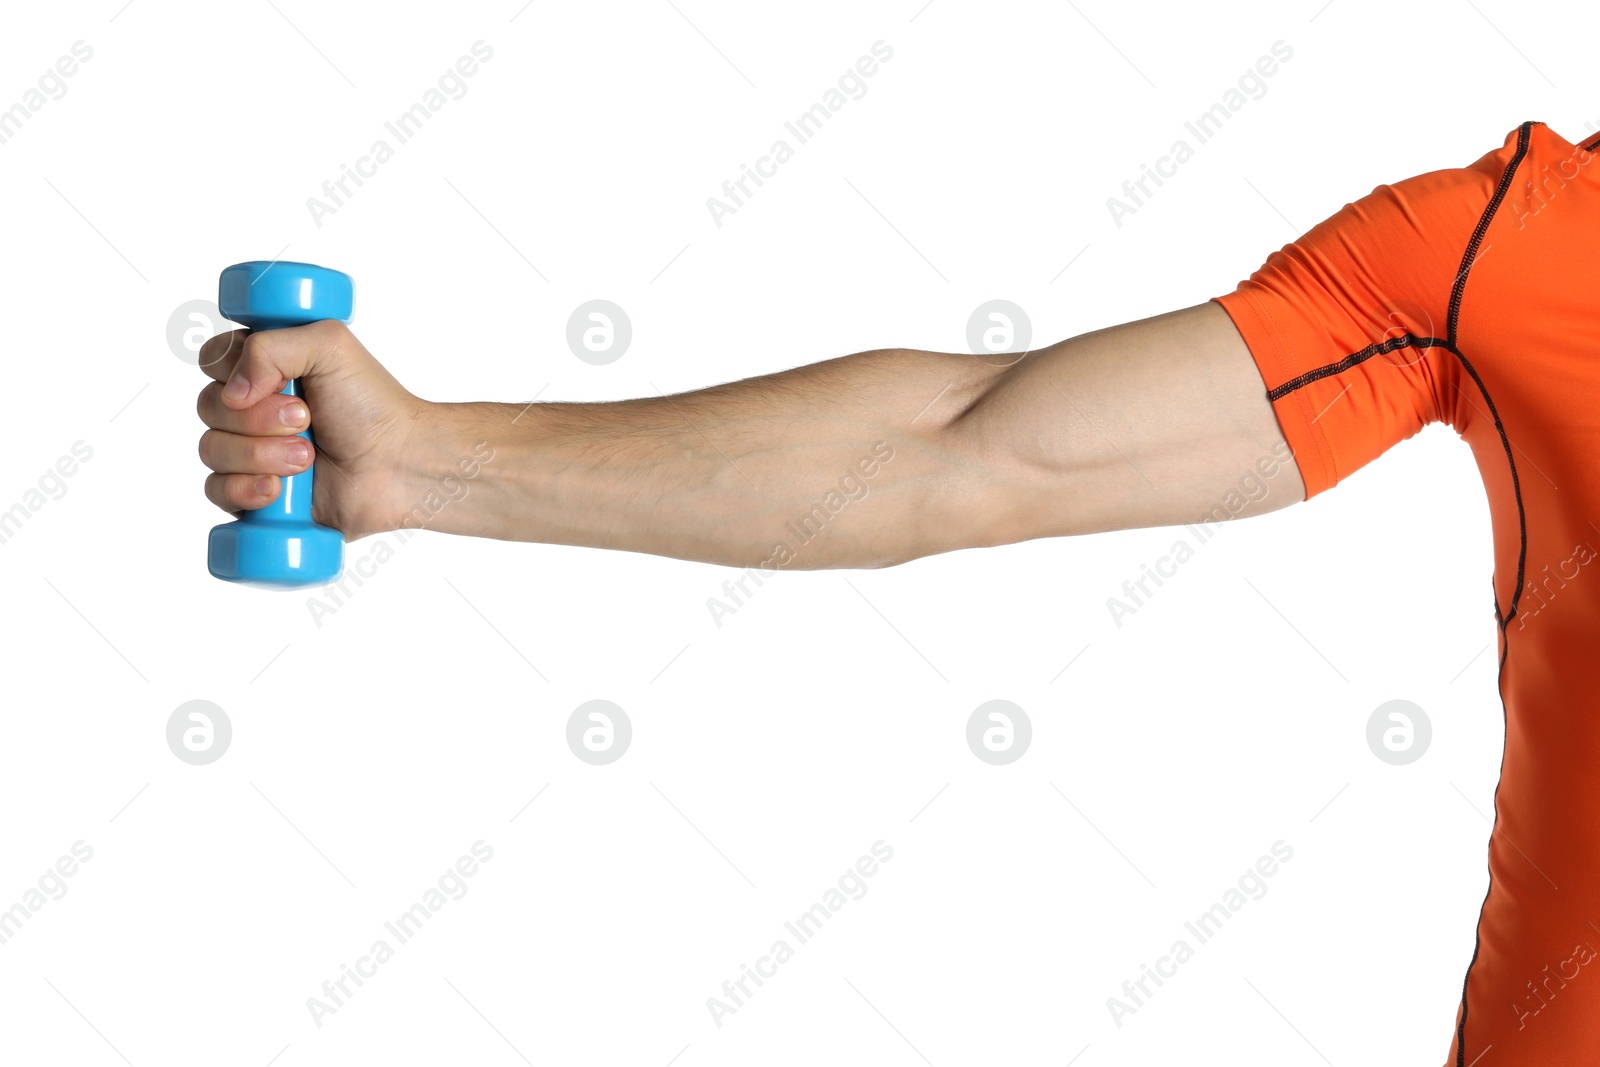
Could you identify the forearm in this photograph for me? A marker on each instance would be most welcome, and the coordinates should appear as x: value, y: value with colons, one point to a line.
x: 846, y: 463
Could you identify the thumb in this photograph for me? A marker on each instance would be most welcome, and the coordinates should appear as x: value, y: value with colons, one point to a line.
x: 272, y: 357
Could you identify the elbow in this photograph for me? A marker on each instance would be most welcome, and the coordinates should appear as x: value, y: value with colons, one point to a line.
x: 1006, y: 483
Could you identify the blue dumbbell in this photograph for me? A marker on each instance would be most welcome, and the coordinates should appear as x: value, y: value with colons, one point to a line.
x: 279, y: 545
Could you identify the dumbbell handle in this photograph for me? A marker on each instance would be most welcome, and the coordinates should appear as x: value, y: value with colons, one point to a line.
x: 280, y: 544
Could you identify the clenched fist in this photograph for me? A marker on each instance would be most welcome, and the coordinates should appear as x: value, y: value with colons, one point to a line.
x: 366, y: 420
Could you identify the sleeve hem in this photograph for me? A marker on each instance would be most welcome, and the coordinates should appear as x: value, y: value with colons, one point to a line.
x: 1313, y: 454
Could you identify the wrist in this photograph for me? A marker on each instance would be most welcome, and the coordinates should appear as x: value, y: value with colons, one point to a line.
x: 442, y: 465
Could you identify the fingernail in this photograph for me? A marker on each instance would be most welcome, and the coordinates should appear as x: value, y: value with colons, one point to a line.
x: 263, y: 486
x: 293, y: 414
x: 238, y: 388
x: 299, y: 452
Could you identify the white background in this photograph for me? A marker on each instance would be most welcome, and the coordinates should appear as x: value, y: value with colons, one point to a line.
x: 828, y: 713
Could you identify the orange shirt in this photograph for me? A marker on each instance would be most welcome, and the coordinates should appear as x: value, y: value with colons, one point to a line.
x: 1472, y: 296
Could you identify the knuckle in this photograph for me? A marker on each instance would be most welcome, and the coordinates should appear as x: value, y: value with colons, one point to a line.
x: 206, y: 404
x: 218, y: 349
x: 328, y: 335
x: 259, y: 499
x: 256, y: 346
x: 329, y: 330
x: 265, y: 453
x: 262, y: 419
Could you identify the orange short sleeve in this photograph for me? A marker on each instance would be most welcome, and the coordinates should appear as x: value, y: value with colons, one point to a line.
x: 1350, y: 323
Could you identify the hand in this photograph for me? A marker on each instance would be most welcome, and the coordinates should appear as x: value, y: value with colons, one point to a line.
x: 365, y: 419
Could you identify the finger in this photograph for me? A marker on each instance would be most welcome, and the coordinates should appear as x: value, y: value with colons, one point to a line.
x: 231, y: 453
x: 234, y: 493
x: 272, y: 357
x: 275, y: 416
x: 219, y: 354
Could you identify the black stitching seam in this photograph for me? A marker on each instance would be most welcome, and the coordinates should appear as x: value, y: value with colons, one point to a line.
x: 1450, y: 344
x: 1405, y: 340
x: 1523, y: 134
x: 1591, y: 146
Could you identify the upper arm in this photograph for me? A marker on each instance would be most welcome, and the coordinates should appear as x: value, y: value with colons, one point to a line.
x: 1157, y: 422
x: 1340, y: 346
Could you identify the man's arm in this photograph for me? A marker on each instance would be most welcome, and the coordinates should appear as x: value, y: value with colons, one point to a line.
x: 863, y: 461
